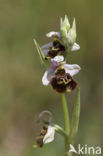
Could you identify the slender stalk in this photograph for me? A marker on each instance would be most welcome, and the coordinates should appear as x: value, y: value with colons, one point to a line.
x: 75, y: 118
x: 70, y: 131
x: 66, y: 120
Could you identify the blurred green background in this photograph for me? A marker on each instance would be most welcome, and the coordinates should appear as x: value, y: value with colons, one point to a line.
x: 22, y: 95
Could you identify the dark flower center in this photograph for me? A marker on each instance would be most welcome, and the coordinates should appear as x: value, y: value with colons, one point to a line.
x: 57, y: 49
x: 62, y: 81
x: 40, y: 138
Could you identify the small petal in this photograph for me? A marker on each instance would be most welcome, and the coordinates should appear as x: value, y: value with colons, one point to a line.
x: 49, y: 137
x: 72, y: 69
x: 57, y: 59
x: 45, y: 48
x: 47, y: 45
x: 52, y: 33
x: 46, y: 77
x: 75, y: 47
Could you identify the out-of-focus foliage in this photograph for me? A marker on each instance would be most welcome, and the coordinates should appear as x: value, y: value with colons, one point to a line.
x: 22, y: 95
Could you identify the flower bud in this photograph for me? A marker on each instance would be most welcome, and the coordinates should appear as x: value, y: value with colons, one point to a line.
x: 64, y: 28
x: 66, y: 23
x: 71, y: 36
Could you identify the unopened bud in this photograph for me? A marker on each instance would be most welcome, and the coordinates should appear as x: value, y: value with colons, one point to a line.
x: 71, y: 36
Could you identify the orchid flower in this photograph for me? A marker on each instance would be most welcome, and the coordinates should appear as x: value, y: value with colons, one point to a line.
x: 46, y: 136
x: 56, y: 47
x: 49, y: 137
x: 53, y: 48
x: 48, y: 131
x: 60, y: 75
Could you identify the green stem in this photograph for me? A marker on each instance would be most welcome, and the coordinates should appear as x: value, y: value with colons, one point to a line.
x: 66, y: 121
x: 70, y: 131
x: 75, y: 118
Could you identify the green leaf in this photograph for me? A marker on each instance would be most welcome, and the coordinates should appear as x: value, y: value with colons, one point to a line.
x: 41, y: 55
x: 75, y: 118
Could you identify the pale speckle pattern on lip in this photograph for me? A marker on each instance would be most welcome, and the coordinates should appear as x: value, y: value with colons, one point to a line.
x: 53, y: 33
x: 49, y: 137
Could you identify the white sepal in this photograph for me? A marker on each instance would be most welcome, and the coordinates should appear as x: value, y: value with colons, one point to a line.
x: 72, y: 69
x: 75, y: 47
x: 49, y: 137
x: 45, y: 48
x: 46, y: 77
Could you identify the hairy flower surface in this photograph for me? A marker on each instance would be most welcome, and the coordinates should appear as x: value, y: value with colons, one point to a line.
x: 46, y: 135
x: 53, y: 49
x: 62, y: 42
x: 56, y: 47
x: 60, y: 75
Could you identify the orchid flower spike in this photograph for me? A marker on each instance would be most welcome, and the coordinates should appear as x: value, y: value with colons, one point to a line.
x: 60, y: 75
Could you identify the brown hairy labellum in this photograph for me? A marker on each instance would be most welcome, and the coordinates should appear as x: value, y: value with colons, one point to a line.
x: 39, y: 139
x: 57, y: 49
x: 62, y: 81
